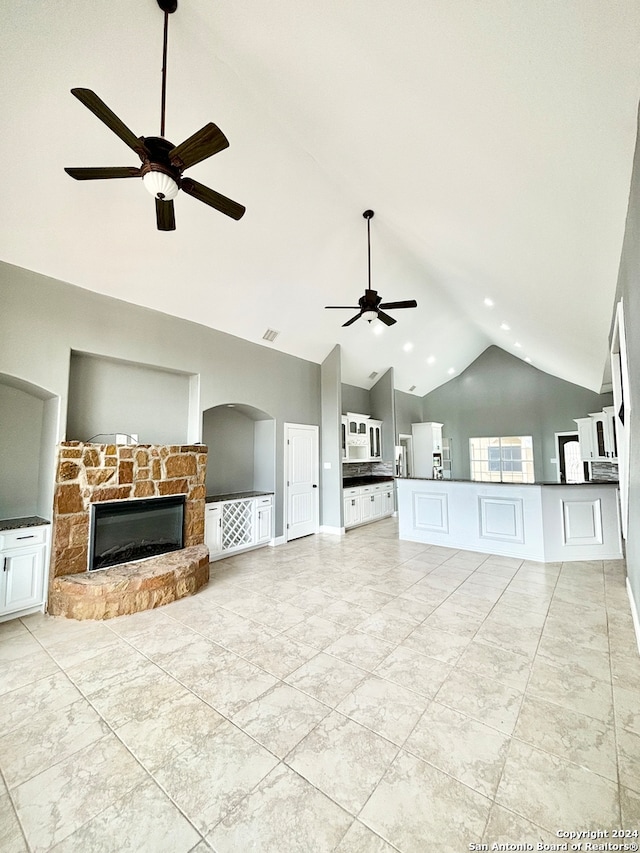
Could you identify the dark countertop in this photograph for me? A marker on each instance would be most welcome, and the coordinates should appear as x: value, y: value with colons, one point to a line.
x: 537, y: 482
x: 235, y: 496
x: 364, y: 480
x: 19, y: 523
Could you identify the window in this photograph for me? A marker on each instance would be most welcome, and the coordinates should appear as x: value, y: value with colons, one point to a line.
x: 502, y: 459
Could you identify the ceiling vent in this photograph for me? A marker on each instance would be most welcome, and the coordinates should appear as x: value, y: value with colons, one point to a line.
x: 373, y: 374
x: 270, y: 335
x: 413, y: 388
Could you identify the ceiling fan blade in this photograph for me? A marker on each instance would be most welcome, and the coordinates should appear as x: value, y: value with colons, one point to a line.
x: 108, y: 117
x: 352, y: 320
x: 407, y: 303
x: 165, y: 216
x: 103, y: 172
x: 386, y: 319
x: 206, y: 142
x: 212, y: 198
x: 350, y: 307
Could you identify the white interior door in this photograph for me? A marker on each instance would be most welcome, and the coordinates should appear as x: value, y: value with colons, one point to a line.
x: 301, y: 476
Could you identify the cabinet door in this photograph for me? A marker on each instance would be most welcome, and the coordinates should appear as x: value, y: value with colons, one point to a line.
x: 352, y: 511
x: 23, y: 578
x: 585, y: 438
x: 263, y: 524
x: 378, y: 504
x: 213, y: 529
x: 366, y: 506
x: 389, y: 506
x: 343, y: 437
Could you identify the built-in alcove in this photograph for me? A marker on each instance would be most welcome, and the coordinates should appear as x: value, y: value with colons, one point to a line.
x: 242, y: 451
x: 28, y: 424
x: 109, y: 396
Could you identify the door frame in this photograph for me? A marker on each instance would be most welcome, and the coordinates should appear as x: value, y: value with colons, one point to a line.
x: 559, y: 450
x: 285, y: 467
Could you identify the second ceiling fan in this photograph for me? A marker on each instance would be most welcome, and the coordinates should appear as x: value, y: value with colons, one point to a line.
x: 370, y: 306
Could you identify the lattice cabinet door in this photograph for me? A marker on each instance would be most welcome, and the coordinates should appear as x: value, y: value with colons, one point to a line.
x: 237, y: 524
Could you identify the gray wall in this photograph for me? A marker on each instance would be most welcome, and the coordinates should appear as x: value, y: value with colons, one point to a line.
x: 43, y: 320
x: 498, y: 394
x: 108, y: 396
x: 629, y: 291
x: 408, y: 411
x: 331, y: 509
x: 355, y: 399
x: 21, y: 417
x: 383, y: 409
x: 230, y: 437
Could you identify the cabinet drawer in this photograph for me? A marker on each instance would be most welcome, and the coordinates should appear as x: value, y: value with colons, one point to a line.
x: 351, y: 493
x: 24, y: 537
x: 264, y: 501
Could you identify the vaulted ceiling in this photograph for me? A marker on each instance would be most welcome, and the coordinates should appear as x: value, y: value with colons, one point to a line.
x: 493, y: 140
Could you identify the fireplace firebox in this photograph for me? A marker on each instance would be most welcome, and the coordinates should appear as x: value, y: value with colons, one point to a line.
x: 122, y: 531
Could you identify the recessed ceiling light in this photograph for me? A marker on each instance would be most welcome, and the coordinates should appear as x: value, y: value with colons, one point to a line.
x: 431, y: 359
x: 270, y: 335
x: 408, y: 346
x: 505, y: 326
x: 519, y: 345
x: 527, y: 359
x: 451, y: 370
x: 488, y: 302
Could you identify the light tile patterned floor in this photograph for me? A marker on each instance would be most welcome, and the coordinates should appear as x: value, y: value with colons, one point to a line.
x: 355, y: 694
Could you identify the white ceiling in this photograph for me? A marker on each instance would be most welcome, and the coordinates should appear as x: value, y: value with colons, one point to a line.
x: 493, y: 140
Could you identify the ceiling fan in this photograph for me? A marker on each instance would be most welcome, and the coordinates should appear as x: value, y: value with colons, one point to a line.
x: 162, y: 162
x: 371, y: 305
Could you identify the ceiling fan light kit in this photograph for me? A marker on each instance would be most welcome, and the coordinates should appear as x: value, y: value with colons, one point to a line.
x: 162, y: 162
x: 371, y: 306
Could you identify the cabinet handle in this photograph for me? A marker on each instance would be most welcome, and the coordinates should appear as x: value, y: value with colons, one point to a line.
x: 31, y: 536
x: 4, y: 564
x: 371, y: 497
x: 353, y: 503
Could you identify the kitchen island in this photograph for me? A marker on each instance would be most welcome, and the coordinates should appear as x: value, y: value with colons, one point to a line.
x: 546, y: 522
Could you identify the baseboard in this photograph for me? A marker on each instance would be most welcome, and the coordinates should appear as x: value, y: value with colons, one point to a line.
x: 278, y: 540
x: 634, y: 614
x: 335, y: 531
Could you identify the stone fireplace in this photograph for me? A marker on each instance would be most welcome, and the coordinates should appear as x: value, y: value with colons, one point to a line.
x: 92, y: 474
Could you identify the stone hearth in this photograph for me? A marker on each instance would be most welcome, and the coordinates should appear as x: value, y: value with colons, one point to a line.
x: 130, y: 587
x: 91, y: 473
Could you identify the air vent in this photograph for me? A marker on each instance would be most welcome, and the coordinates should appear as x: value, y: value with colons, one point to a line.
x: 373, y: 374
x: 270, y: 335
x: 413, y: 388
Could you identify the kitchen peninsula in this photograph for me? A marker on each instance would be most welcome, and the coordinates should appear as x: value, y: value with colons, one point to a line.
x: 545, y: 522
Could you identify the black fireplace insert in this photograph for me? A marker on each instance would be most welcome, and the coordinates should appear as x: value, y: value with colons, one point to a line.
x: 133, y: 530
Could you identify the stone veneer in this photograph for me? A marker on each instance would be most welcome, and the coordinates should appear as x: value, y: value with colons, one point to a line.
x: 89, y: 473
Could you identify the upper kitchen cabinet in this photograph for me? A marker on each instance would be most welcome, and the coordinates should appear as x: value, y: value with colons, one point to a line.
x: 361, y: 438
x: 597, y: 436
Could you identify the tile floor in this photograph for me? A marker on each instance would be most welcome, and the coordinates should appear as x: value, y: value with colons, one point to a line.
x: 355, y: 694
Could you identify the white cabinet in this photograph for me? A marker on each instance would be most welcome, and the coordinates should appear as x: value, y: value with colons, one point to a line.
x: 213, y: 529
x: 237, y: 525
x: 597, y: 436
x: 427, y: 449
x: 361, y: 438
x: 375, y: 439
x: 263, y: 520
x: 23, y: 563
x: 363, y: 504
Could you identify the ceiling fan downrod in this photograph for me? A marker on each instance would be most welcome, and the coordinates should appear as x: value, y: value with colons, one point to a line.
x: 368, y: 215
x: 168, y: 7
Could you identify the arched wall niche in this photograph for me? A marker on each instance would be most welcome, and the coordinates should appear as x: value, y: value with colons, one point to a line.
x: 242, y: 449
x: 28, y: 428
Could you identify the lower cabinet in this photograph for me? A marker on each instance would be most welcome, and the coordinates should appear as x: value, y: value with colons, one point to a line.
x: 23, y: 564
x: 237, y: 525
x: 368, y: 503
